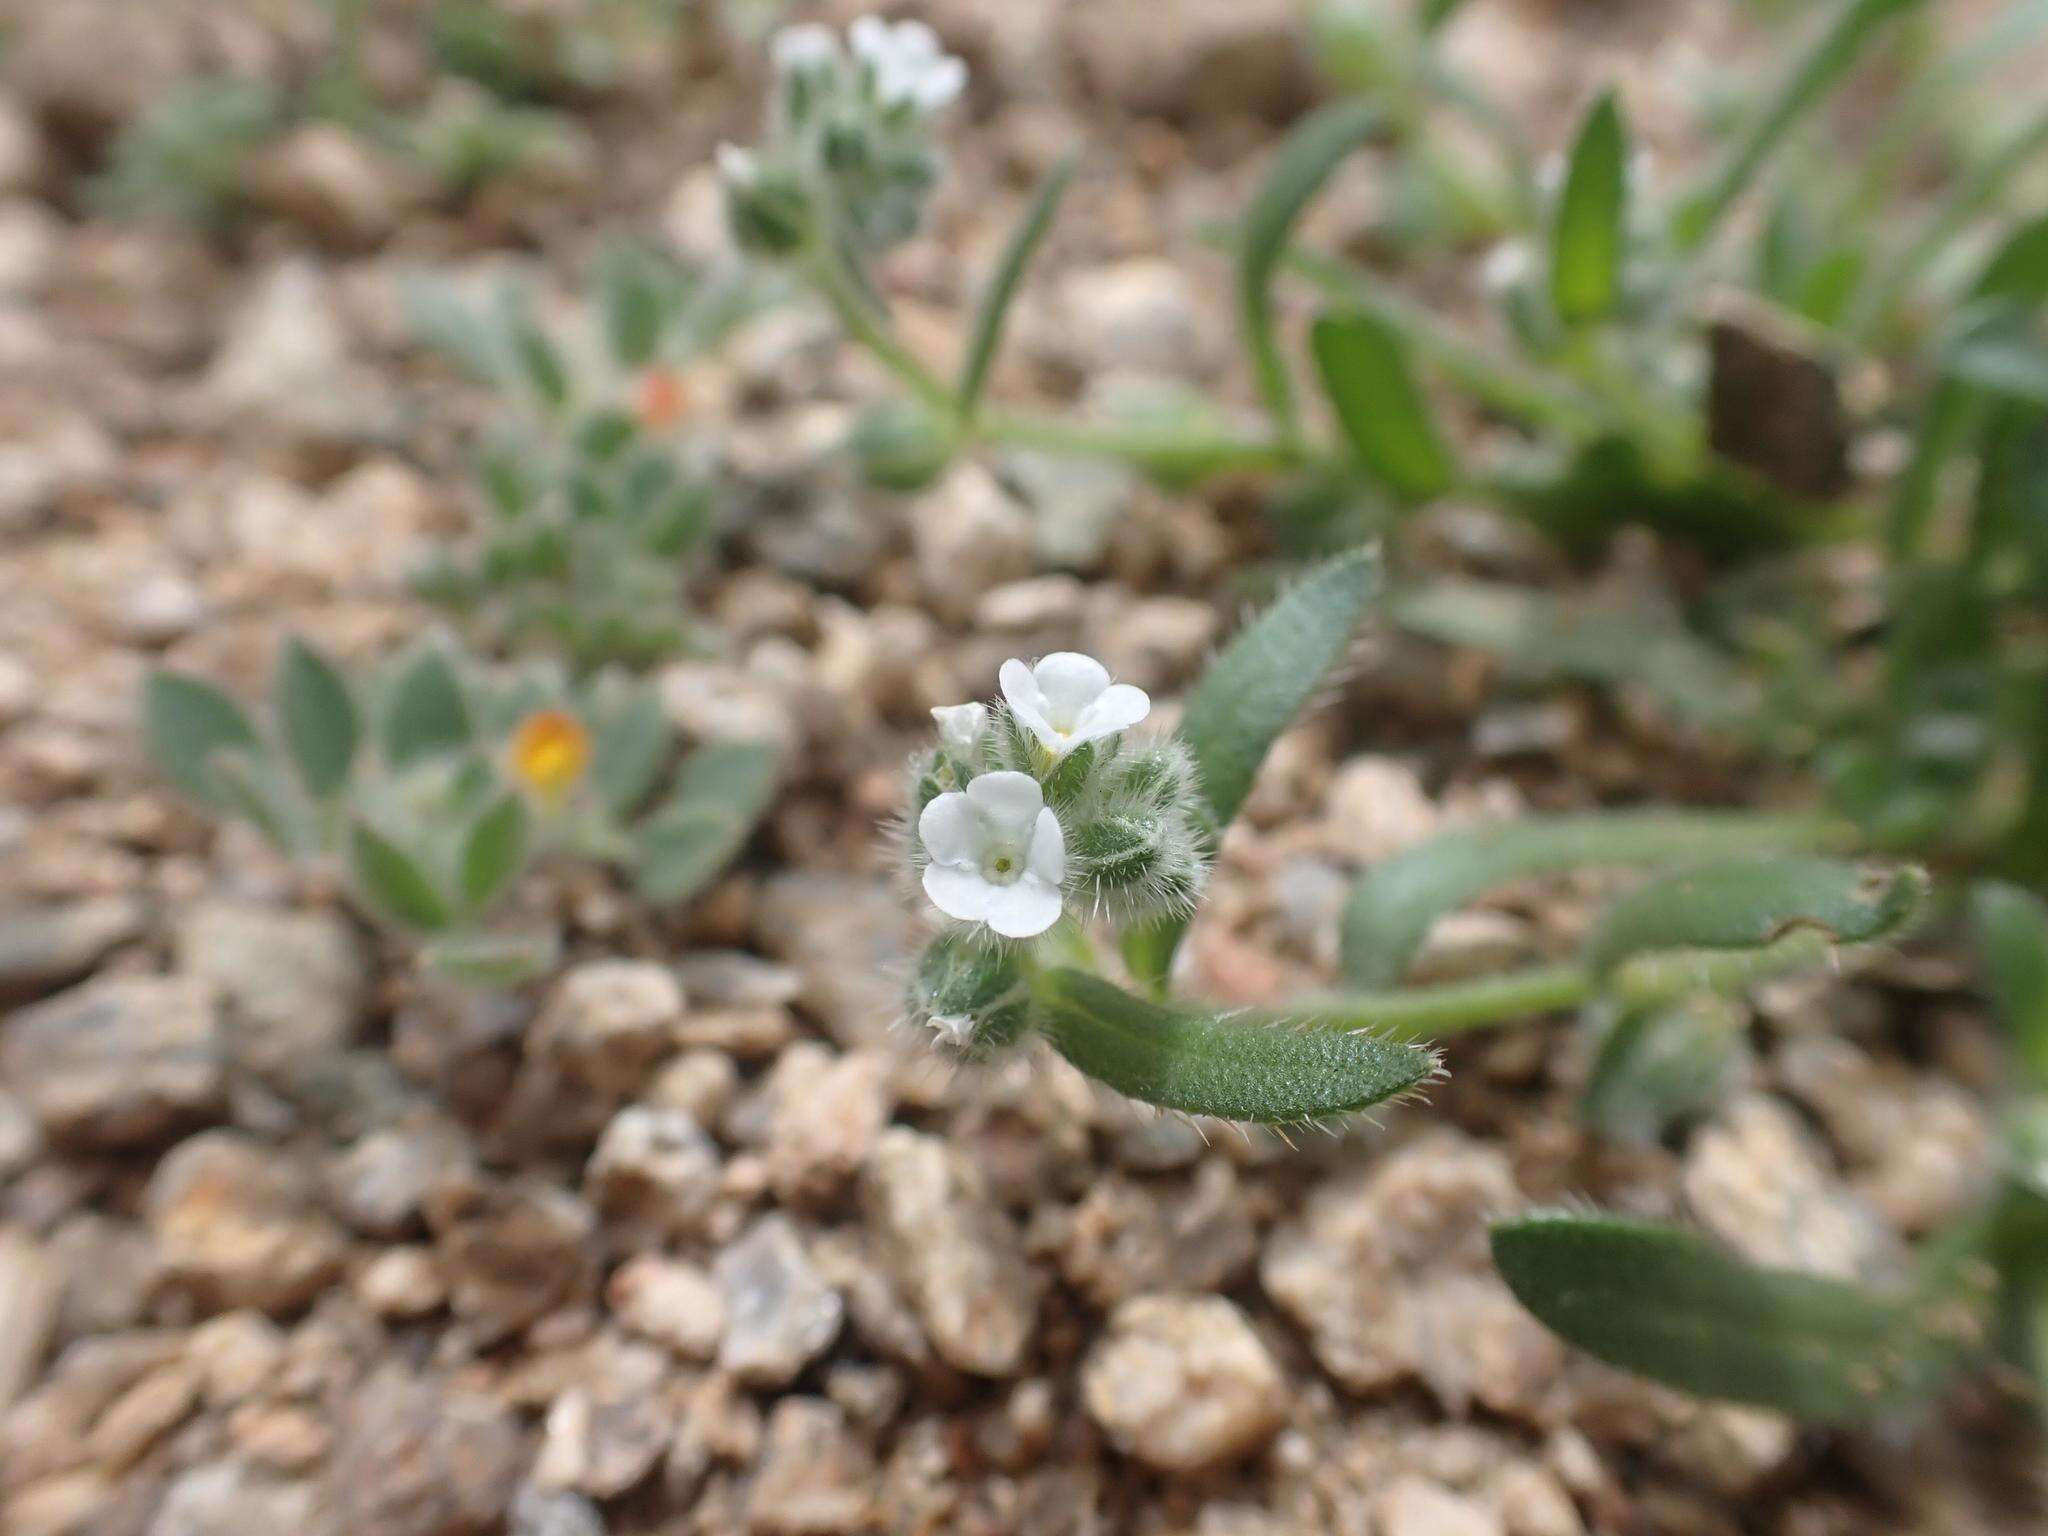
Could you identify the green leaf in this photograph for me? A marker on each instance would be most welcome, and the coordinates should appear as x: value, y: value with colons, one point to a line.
x: 254, y: 786
x: 2010, y: 363
x: 630, y: 744
x: 1266, y: 676
x: 1671, y: 1305
x: 394, y: 883
x: 1364, y: 366
x: 720, y: 792
x: 1590, y: 234
x: 2017, y: 272
x: 443, y: 320
x: 540, y: 361
x: 640, y: 289
x: 425, y: 714
x: 1317, y: 145
x: 1203, y: 1064
x: 317, y: 715
x: 605, y: 435
x: 1394, y: 906
x: 493, y: 852
x: 492, y: 959
x: 2011, y: 927
x: 994, y: 307
x: 1751, y: 904
x: 1656, y: 1066
x: 185, y: 723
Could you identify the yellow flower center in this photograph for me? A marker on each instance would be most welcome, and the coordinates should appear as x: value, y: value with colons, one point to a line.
x: 550, y: 752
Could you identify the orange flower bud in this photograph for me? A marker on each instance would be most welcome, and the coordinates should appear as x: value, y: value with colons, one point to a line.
x: 550, y: 752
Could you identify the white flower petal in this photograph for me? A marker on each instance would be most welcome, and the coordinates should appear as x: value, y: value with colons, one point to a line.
x: 960, y: 893
x: 738, y: 166
x: 1046, y: 859
x: 1025, y: 698
x: 941, y: 85
x: 805, y: 46
x: 1008, y: 802
x: 951, y: 829
x: 1023, y: 910
x: 1119, y: 707
x: 1069, y: 682
x: 961, y: 726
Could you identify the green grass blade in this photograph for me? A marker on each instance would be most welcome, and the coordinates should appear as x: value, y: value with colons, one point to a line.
x: 1364, y: 367
x: 1854, y: 26
x: 1203, y: 1064
x: 1393, y: 907
x: 994, y: 309
x: 2011, y: 929
x: 1589, y: 235
x: 1303, y: 163
x: 1671, y: 1305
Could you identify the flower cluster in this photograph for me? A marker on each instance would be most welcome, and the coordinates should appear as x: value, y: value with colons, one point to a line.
x: 1038, y: 806
x: 849, y: 154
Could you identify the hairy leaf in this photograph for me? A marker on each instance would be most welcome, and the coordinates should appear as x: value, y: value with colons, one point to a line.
x: 317, y: 714
x: 1590, y: 233
x: 1668, y: 1304
x: 492, y: 959
x: 1364, y: 366
x: 493, y: 851
x: 186, y: 722
x: 1203, y: 1064
x: 1303, y: 163
x: 630, y: 743
x: 425, y: 714
x: 1393, y: 907
x: 719, y: 794
x: 395, y: 883
x: 1752, y: 904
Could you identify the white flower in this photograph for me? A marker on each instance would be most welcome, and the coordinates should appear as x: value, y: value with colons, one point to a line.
x: 1067, y: 699
x: 955, y: 1029
x: 737, y: 167
x: 804, y: 49
x: 961, y: 726
x: 997, y: 855
x: 908, y: 67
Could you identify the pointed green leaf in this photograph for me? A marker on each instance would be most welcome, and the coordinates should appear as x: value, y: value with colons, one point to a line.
x: 2011, y: 928
x: 1684, y: 918
x: 1315, y: 148
x: 425, y: 714
x: 1394, y: 906
x: 394, y: 883
x: 1205, y: 1064
x: 720, y: 792
x: 994, y: 308
x: 1267, y: 675
x: 540, y: 360
x: 1591, y: 229
x: 185, y: 723
x: 2017, y: 272
x: 492, y: 959
x: 1657, y: 1066
x: 254, y: 786
x: 1673, y: 1306
x: 317, y: 715
x: 1364, y: 367
x: 493, y: 852
x: 2007, y: 363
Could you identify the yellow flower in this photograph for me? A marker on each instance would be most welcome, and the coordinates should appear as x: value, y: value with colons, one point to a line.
x: 550, y: 752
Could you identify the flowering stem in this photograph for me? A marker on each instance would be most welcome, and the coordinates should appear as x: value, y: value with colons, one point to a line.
x: 827, y: 272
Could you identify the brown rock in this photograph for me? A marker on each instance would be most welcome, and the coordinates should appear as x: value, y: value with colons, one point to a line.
x: 414, y: 1459
x: 236, y: 1227
x: 1182, y: 1383
x: 827, y: 1112
x: 116, y: 1063
x: 816, y: 1477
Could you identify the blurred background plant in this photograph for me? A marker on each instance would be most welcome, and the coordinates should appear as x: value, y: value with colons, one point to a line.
x: 595, y: 485
x: 431, y: 784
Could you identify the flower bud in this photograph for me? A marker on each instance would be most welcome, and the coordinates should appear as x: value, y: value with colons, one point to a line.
x: 902, y: 446
x: 971, y: 992
x: 767, y: 207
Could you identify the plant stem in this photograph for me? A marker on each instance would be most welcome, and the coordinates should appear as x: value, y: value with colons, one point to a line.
x: 827, y: 273
x: 1143, y: 445
x: 1418, y: 1013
